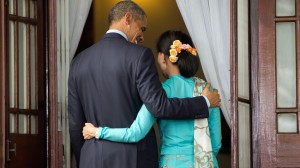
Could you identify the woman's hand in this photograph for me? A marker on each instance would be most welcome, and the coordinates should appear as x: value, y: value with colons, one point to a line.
x: 89, y: 131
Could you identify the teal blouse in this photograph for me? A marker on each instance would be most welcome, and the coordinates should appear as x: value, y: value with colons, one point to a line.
x: 176, y: 136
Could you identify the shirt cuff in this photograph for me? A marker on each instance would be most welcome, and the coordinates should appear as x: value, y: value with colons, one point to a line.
x: 98, y: 133
x: 207, y: 101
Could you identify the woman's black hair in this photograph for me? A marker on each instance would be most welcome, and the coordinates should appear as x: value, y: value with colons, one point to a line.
x: 187, y: 63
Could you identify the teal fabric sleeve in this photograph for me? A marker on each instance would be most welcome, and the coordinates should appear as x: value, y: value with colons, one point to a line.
x: 137, y: 131
x: 214, y: 123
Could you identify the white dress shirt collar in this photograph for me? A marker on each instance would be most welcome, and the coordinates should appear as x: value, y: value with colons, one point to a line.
x: 117, y: 31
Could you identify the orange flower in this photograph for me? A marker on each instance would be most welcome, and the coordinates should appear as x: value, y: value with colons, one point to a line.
x: 194, y: 51
x: 176, y: 42
x: 178, y: 49
x: 173, y: 59
x: 173, y: 52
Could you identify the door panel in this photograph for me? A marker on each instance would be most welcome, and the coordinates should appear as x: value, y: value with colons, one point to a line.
x: 287, y: 105
x: 288, y: 150
x: 279, y: 83
x: 26, y: 111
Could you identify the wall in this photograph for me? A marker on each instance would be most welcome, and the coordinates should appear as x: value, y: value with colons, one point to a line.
x: 162, y: 16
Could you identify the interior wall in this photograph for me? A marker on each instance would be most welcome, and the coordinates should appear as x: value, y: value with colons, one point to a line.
x: 162, y: 16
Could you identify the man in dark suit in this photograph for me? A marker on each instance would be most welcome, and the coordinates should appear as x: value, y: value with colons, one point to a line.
x: 109, y: 82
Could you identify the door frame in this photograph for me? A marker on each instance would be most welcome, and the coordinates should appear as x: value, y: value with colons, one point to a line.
x: 54, y: 156
x: 262, y: 146
x: 233, y: 84
x: 55, y: 146
x: 2, y: 82
x: 255, y: 106
x: 263, y: 83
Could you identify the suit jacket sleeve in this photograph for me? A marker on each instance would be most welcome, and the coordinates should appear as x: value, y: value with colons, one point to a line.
x: 155, y: 98
x: 76, y: 115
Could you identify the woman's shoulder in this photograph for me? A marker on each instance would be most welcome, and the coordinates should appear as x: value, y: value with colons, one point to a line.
x: 167, y: 84
x: 199, y: 80
x: 201, y: 83
x: 173, y: 81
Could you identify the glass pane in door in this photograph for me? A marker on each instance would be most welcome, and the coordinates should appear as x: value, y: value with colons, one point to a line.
x: 243, y: 50
x: 286, y: 64
x: 11, y: 64
x: 11, y: 7
x: 33, y: 9
x: 33, y: 71
x: 244, y: 135
x: 23, y: 124
x: 22, y: 67
x: 12, y: 123
x: 34, y: 124
x: 285, y: 7
x: 287, y: 123
x: 22, y: 10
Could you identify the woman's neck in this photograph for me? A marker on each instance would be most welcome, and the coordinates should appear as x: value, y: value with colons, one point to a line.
x: 173, y: 71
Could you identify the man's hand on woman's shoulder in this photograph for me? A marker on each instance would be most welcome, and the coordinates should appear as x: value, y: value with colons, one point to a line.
x: 212, y: 96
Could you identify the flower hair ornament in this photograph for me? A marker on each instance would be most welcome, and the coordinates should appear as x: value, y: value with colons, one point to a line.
x: 176, y: 48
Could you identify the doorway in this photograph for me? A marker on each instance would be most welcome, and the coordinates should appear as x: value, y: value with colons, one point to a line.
x: 96, y: 25
x: 25, y: 107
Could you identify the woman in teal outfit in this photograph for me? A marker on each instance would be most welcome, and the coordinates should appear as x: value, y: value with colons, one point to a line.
x: 179, y: 63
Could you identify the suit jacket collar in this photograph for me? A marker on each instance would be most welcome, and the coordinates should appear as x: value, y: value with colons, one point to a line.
x: 114, y: 35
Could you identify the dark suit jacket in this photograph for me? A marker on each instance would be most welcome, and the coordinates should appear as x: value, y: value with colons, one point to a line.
x: 108, y: 83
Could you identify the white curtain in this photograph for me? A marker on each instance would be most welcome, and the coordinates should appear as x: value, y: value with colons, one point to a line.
x: 71, y: 16
x: 78, y: 13
x: 208, y: 22
x: 79, y: 10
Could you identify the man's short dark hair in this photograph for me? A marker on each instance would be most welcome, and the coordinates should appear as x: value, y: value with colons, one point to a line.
x: 121, y: 8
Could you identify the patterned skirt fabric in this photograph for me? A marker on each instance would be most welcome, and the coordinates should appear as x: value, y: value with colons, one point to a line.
x: 176, y: 161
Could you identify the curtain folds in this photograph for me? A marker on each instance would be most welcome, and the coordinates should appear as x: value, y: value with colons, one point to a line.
x: 208, y: 23
x: 71, y: 16
x: 79, y: 10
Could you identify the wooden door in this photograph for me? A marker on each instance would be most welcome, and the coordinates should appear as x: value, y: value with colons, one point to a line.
x: 25, y: 78
x: 276, y: 52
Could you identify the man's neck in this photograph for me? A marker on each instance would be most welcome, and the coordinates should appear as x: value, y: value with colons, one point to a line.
x: 117, y: 26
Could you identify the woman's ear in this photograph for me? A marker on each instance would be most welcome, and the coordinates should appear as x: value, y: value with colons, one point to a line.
x: 161, y: 61
x: 161, y: 58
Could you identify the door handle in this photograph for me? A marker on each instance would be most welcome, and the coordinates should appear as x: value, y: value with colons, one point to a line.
x: 10, y: 149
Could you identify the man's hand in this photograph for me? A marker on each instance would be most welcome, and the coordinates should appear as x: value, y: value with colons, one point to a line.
x: 89, y: 131
x: 212, y: 96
